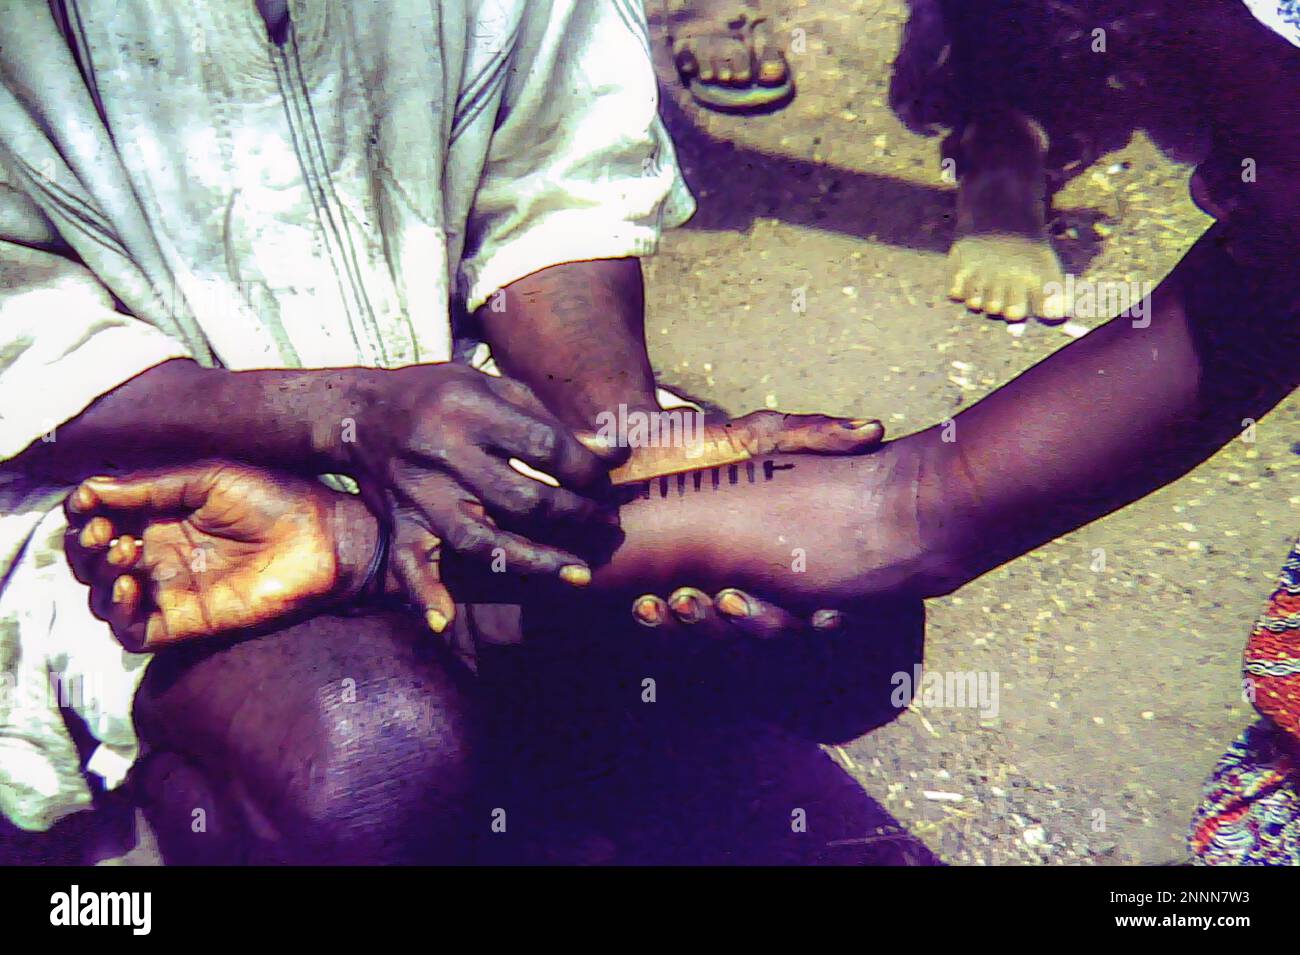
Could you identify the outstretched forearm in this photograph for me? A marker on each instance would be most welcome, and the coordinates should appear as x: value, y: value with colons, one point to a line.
x: 575, y: 334
x: 1108, y: 419
x: 179, y: 411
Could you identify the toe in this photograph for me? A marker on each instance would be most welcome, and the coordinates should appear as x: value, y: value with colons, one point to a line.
x: 1017, y: 305
x: 772, y: 69
x: 713, y: 54
x: 770, y: 65
x: 686, y: 62
x: 960, y: 281
x: 1053, y: 306
x: 743, y: 73
x: 997, y: 296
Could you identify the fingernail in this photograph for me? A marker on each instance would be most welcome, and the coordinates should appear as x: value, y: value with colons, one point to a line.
x: 593, y: 442
x: 82, y: 499
x: 436, y: 620
x: 575, y: 574
x: 827, y: 620
x: 648, y: 611
x: 733, y: 604
x: 862, y: 424
x: 96, y: 533
x: 120, y: 587
x: 688, y: 607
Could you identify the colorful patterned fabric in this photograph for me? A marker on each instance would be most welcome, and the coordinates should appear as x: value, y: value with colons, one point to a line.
x: 1250, y: 814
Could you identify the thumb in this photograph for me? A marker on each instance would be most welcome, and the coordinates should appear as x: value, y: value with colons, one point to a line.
x: 609, y: 452
x: 765, y: 432
x: 173, y: 489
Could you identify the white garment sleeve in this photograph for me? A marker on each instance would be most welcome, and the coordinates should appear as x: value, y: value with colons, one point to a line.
x: 62, y: 344
x: 580, y: 166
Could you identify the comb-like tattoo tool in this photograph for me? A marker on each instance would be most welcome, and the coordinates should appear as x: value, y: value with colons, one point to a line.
x: 725, y: 466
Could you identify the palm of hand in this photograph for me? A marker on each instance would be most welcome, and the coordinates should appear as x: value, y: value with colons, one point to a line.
x: 253, y: 552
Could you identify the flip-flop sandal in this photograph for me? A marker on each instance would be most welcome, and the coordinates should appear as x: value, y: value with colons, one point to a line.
x: 748, y: 29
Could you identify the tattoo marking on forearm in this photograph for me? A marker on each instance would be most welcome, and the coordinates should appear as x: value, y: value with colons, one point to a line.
x: 694, y: 481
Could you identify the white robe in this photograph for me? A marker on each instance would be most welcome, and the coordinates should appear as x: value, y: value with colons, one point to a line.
x: 173, y: 184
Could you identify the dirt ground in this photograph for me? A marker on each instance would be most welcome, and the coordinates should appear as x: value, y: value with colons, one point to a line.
x: 1120, y: 685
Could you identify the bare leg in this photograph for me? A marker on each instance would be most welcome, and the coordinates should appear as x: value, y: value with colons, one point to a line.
x: 1002, y: 261
x: 688, y: 769
x: 338, y: 740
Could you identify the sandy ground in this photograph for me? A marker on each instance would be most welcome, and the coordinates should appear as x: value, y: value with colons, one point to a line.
x: 1119, y: 687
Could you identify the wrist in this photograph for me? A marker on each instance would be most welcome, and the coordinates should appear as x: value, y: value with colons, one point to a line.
x: 343, y: 403
x: 945, y: 511
x: 359, y: 547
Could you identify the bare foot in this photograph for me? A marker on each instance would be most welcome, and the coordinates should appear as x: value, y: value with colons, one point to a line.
x: 1008, y: 275
x: 728, y: 56
x: 1002, y: 262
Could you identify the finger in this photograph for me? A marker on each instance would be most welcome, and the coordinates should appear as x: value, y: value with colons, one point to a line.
x: 522, y: 428
x: 507, y: 493
x: 97, y: 534
x: 692, y: 607
x: 478, y: 539
x: 124, y: 552
x: 105, y: 572
x: 170, y: 490
x: 84, y: 547
x: 523, y: 397
x: 651, y: 611
x: 451, y: 513
x: 416, y: 561
x: 753, y: 617
x: 828, y: 620
x: 116, y: 601
x: 681, y: 628
x: 127, y: 615
x: 610, y: 452
x: 81, y: 503
x: 766, y: 432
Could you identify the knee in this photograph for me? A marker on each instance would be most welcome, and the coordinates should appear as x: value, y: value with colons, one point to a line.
x: 340, y: 739
x: 392, y: 776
